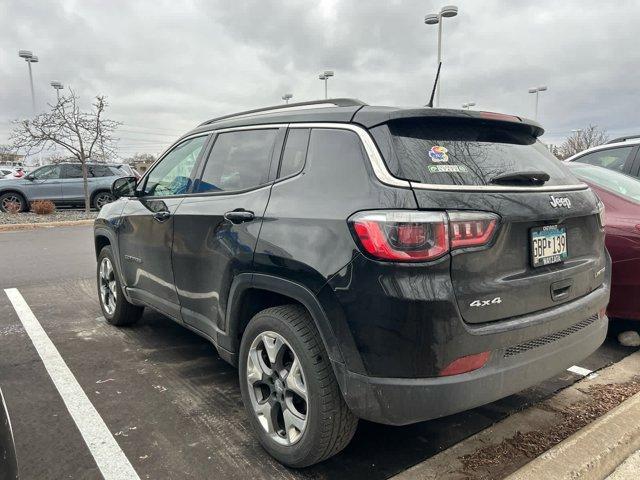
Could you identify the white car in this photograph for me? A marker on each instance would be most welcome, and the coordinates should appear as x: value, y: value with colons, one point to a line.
x: 621, y: 155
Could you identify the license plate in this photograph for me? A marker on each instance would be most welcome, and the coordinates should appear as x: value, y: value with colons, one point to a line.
x: 548, y: 245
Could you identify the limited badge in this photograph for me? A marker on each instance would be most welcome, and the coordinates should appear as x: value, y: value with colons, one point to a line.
x: 447, y: 169
x: 438, y: 154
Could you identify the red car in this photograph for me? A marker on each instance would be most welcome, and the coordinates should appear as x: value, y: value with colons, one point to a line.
x: 621, y: 197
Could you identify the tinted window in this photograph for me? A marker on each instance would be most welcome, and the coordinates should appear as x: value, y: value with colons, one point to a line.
x: 71, y: 171
x: 294, y: 152
x: 613, y: 158
x: 100, y: 171
x: 464, y: 153
x: 172, y: 175
x: 47, y: 173
x: 238, y: 161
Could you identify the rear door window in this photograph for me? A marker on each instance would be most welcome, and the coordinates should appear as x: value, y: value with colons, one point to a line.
x: 295, y: 152
x: 238, y: 161
x: 71, y: 171
x: 445, y: 152
x: 611, y: 158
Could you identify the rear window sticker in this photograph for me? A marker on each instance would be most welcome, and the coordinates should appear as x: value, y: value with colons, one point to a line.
x: 447, y: 169
x: 439, y: 154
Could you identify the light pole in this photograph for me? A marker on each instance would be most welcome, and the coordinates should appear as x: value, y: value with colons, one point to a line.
x: 325, y: 76
x: 30, y: 58
x: 58, y: 86
x: 436, y: 19
x: 467, y: 106
x: 286, y: 97
x: 537, y: 91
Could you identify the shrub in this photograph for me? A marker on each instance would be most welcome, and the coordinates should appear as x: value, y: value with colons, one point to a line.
x: 13, y: 207
x: 43, y: 207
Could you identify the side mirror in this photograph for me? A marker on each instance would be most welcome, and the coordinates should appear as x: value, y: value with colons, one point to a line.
x: 124, y: 187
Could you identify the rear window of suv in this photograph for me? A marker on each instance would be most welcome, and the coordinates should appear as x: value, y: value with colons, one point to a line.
x: 445, y: 152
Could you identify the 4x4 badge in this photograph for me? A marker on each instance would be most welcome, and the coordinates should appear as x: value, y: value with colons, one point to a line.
x: 557, y: 202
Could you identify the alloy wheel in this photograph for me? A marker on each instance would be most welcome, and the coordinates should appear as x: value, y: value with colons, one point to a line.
x: 108, y: 295
x: 277, y: 388
x: 102, y: 199
x: 10, y: 199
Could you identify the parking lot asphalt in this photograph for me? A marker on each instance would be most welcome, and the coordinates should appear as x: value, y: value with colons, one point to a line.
x: 170, y: 402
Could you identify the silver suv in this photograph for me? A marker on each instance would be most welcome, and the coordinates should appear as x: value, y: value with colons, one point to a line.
x: 62, y: 184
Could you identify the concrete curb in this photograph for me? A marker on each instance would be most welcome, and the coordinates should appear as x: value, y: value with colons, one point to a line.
x: 32, y: 226
x: 542, y: 416
x: 592, y: 452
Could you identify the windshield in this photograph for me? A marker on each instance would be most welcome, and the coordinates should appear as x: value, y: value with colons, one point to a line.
x: 619, y: 183
x: 445, y: 152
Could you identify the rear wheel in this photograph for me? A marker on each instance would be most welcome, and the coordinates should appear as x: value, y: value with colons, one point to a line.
x: 115, y: 307
x: 289, y: 389
x: 100, y: 199
x: 12, y: 198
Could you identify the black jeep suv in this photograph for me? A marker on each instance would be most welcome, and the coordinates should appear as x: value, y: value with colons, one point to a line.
x: 395, y: 265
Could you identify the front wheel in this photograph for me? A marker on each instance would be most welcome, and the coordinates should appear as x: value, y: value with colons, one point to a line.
x: 12, y: 202
x: 289, y: 389
x: 115, y: 307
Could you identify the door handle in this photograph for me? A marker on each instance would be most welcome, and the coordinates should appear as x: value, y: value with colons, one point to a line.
x: 239, y: 216
x: 162, y: 216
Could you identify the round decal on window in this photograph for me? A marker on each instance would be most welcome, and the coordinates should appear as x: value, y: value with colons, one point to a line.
x: 438, y: 154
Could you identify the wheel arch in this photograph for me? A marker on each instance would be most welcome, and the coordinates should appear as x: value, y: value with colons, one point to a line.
x: 270, y: 291
x: 103, y: 237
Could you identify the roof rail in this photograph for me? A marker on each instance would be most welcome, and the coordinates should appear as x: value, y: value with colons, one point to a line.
x: 622, y: 139
x: 331, y: 102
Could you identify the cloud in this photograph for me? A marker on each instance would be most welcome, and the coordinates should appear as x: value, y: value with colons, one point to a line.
x: 166, y: 66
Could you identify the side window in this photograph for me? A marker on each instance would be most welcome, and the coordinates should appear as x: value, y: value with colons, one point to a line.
x: 295, y: 152
x: 50, y: 172
x: 613, y: 159
x: 238, y: 161
x: 100, y: 171
x: 71, y: 171
x: 172, y: 175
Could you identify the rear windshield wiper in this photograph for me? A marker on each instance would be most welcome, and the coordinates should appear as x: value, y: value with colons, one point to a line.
x: 521, y: 178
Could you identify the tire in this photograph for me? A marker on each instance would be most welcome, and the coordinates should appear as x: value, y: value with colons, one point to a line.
x: 9, y: 197
x: 328, y: 424
x: 115, y: 307
x: 100, y: 199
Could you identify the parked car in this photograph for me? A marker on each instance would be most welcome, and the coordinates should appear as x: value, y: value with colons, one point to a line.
x: 5, y: 172
x: 61, y: 183
x: 395, y: 265
x: 8, y: 461
x: 621, y: 196
x: 621, y: 155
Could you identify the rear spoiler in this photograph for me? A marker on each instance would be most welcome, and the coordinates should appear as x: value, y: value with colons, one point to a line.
x: 371, y: 118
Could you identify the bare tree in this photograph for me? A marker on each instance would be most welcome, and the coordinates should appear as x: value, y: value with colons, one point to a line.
x: 86, y: 135
x: 582, y: 139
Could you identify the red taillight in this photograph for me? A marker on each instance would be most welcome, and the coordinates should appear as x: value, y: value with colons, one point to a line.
x: 402, y: 236
x: 465, y: 364
x: 471, y: 229
x: 414, y: 236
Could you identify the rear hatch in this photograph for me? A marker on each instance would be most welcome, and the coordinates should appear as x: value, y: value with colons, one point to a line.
x: 548, y: 247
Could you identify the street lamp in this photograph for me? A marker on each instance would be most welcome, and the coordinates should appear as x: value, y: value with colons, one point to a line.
x: 325, y: 76
x: 286, y: 97
x: 468, y: 106
x: 58, y: 86
x: 30, y: 58
x: 537, y: 90
x: 436, y: 19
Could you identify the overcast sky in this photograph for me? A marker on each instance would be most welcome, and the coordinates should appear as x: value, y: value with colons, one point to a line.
x: 166, y: 66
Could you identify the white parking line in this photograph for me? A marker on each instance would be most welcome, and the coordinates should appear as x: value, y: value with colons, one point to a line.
x: 579, y: 370
x: 111, y: 460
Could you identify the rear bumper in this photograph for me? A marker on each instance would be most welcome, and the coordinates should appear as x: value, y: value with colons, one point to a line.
x: 401, y: 401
